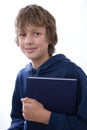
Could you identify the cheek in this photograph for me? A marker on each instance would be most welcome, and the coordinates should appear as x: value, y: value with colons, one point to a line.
x: 44, y: 48
x: 43, y: 43
x: 21, y: 47
x: 20, y: 43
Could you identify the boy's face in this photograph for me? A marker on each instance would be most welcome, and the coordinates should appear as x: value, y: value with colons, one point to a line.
x: 33, y: 43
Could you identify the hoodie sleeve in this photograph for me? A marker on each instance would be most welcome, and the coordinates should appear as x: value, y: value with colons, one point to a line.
x: 79, y: 121
x: 16, y: 112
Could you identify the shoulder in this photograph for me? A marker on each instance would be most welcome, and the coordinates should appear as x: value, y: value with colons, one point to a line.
x: 68, y: 66
x: 24, y: 72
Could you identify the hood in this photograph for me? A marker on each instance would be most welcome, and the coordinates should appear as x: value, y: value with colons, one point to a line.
x: 49, y: 65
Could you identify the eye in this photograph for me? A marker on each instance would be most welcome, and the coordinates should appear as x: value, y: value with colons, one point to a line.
x: 36, y: 34
x: 22, y: 34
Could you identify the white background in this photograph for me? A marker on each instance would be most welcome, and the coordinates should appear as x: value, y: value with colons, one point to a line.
x: 71, y: 16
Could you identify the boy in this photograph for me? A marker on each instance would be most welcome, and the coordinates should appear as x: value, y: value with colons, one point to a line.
x: 37, y: 37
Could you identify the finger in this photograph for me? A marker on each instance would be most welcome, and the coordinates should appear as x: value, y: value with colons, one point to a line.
x: 26, y: 99
x: 24, y: 107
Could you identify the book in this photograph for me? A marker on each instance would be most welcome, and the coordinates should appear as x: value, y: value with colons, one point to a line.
x: 56, y: 94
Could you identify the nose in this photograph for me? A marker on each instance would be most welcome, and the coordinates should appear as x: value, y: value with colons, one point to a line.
x: 28, y: 39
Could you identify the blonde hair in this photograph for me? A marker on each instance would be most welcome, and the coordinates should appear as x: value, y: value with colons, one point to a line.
x: 34, y: 15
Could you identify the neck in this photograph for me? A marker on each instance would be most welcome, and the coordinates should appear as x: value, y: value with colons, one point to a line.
x: 37, y: 64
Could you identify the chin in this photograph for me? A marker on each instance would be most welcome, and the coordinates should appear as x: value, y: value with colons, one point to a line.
x: 31, y: 57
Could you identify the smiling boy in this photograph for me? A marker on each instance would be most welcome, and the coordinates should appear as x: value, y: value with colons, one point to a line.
x: 37, y: 37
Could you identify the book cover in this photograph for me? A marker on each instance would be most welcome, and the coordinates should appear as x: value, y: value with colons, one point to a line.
x: 56, y: 94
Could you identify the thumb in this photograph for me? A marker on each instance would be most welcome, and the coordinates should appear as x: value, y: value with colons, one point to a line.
x: 25, y: 99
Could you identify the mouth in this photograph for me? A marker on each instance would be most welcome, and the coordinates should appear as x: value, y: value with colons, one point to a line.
x: 30, y: 50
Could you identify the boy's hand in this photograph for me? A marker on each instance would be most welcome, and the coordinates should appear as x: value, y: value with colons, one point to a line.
x: 35, y: 111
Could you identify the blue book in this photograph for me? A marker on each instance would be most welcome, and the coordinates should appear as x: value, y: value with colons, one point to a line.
x: 56, y: 94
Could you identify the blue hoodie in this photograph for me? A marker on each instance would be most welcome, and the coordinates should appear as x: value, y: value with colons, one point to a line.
x: 61, y: 67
